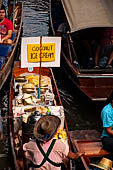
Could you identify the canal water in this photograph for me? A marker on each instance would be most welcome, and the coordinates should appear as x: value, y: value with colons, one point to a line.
x: 81, y: 113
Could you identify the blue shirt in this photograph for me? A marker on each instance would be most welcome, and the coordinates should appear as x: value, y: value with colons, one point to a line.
x: 107, y: 119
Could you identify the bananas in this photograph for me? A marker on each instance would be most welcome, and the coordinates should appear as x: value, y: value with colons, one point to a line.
x: 61, y: 134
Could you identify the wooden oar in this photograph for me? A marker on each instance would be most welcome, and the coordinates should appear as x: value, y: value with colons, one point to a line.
x: 39, y: 89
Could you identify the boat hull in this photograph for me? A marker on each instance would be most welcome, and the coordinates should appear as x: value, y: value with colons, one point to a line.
x: 96, y: 84
x: 7, y: 66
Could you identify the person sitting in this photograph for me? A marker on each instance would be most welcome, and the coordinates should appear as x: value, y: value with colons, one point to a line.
x: 105, y: 47
x: 107, y: 120
x: 46, y: 152
x: 6, y: 27
x: 89, y: 40
x: 62, y: 30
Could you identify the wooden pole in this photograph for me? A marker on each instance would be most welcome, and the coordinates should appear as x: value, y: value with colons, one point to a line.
x: 39, y: 89
x: 1, y: 127
x: 0, y: 3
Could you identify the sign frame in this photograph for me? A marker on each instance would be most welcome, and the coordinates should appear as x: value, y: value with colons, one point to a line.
x: 36, y: 40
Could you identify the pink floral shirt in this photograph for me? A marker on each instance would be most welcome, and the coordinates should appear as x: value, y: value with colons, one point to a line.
x: 58, y: 153
x: 107, y: 36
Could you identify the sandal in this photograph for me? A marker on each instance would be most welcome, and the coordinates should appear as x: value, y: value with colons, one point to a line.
x: 109, y: 66
x: 96, y: 66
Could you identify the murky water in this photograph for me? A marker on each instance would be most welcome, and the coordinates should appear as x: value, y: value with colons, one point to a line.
x: 80, y: 112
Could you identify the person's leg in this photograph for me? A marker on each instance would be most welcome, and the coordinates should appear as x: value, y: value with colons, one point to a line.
x: 97, y: 55
x: 110, y: 58
x: 108, y: 143
x: 88, y: 50
x: 87, y: 47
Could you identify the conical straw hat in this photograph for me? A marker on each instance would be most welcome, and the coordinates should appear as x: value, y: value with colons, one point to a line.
x: 105, y: 164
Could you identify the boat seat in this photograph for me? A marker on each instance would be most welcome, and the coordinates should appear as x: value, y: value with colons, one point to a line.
x: 91, y: 148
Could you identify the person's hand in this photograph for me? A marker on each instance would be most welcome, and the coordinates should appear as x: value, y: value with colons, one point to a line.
x: 1, y: 41
x: 79, y: 154
x: 72, y: 155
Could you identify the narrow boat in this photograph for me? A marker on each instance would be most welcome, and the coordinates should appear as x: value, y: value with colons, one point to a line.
x: 25, y: 108
x: 8, y: 52
x: 95, y: 83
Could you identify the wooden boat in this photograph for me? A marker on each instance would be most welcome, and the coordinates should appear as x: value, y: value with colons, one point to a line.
x: 18, y: 139
x: 88, y: 142
x: 94, y: 83
x: 8, y: 52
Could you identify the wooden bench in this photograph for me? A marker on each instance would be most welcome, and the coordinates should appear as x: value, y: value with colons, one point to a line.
x: 91, y: 148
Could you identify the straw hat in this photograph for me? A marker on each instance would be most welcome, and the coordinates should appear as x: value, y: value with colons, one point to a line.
x: 104, y: 164
x: 46, y: 127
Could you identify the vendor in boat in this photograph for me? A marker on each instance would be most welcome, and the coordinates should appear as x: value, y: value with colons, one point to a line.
x: 107, y: 120
x: 6, y: 27
x: 47, y: 152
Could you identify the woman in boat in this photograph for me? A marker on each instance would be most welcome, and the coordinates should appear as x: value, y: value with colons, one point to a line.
x: 6, y: 27
x: 46, y: 152
x: 107, y: 120
x: 105, y: 48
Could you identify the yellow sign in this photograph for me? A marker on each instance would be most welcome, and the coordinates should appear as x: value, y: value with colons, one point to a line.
x: 48, y: 52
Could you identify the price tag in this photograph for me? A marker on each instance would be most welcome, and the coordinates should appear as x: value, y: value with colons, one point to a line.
x: 30, y: 69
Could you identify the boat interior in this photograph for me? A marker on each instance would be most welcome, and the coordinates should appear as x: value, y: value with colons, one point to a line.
x: 88, y: 142
x: 83, y: 46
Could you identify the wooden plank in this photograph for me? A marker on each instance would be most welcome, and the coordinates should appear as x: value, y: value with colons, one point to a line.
x: 89, y: 142
x: 98, y: 93
x: 84, y: 134
x: 90, y: 148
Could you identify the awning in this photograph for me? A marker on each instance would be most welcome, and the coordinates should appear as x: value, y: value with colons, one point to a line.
x: 88, y: 13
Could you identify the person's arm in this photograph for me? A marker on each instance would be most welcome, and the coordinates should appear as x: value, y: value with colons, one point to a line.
x: 72, y: 155
x: 59, y: 31
x: 97, y: 55
x: 109, y: 130
x: 8, y: 36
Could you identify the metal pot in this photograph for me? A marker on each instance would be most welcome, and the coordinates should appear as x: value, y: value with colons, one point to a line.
x: 33, y: 118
